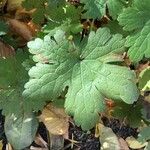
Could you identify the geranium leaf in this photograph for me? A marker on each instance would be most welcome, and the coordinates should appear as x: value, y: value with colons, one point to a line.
x: 137, y: 19
x: 85, y: 69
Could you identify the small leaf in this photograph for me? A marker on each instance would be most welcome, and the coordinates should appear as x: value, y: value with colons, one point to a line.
x: 130, y: 114
x: 6, y: 50
x: 123, y: 144
x: 37, y: 148
x: 137, y: 20
x: 9, y: 147
x: 115, y: 7
x: 20, y: 28
x: 144, y: 79
x: 139, y: 44
x: 3, y: 28
x: 147, y: 147
x: 1, y: 145
x: 13, y: 4
x: 108, y: 139
x: 40, y: 141
x: 12, y: 79
x: 144, y: 134
x: 135, y: 16
x: 134, y: 144
x: 20, y: 132
x: 94, y: 9
x: 98, y: 8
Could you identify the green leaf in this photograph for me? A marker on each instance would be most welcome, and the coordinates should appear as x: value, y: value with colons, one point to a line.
x: 63, y: 11
x: 94, y: 9
x: 56, y: 12
x: 28, y: 63
x: 139, y: 44
x: 144, y: 134
x: 66, y: 26
x: 131, y: 114
x: 116, y: 28
x: 12, y: 79
x: 98, y: 8
x: 144, y: 79
x: 136, y: 16
x: 137, y: 20
x: 20, y: 132
x: 3, y: 28
x: 85, y: 69
x: 39, y: 6
x: 115, y: 7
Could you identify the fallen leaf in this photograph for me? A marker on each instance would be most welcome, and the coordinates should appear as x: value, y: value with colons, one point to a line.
x: 134, y: 143
x: 6, y: 50
x: 147, y: 147
x: 123, y: 144
x: 97, y: 132
x: 37, y: 148
x: 56, y: 142
x: 55, y: 119
x: 23, y: 14
x: 1, y: 145
x: 20, y: 28
x: 40, y: 141
x: 142, y: 67
x: 2, y: 4
x: 9, y: 147
x: 13, y: 4
x: 108, y: 139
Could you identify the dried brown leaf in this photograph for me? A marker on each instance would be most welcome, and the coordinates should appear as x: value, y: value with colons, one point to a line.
x: 6, y: 50
x: 142, y: 67
x: 108, y: 139
x: 1, y: 145
x: 123, y: 144
x: 55, y: 119
x: 40, y: 141
x: 20, y: 28
x: 9, y: 147
x: 37, y: 148
x: 2, y: 3
x: 13, y: 4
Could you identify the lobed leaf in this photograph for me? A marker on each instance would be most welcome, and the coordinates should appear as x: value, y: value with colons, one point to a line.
x: 85, y: 69
x: 12, y: 79
x: 137, y: 19
x: 98, y: 8
x: 139, y: 44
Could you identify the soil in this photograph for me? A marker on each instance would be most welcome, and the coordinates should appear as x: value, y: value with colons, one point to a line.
x: 2, y: 134
x: 120, y: 129
x: 85, y: 140
x: 81, y: 140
